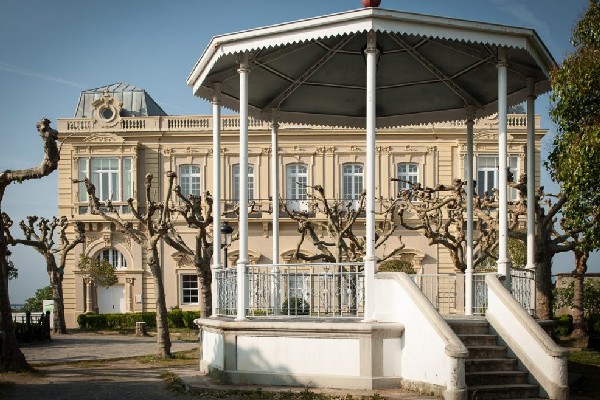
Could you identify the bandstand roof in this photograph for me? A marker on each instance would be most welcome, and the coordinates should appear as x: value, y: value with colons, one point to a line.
x: 313, y: 71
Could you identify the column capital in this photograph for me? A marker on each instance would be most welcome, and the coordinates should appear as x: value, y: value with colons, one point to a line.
x: 216, y: 94
x: 502, y: 57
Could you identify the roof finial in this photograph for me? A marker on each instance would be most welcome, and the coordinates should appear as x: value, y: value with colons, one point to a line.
x: 371, y: 3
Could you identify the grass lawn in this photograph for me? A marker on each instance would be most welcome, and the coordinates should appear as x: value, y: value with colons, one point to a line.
x: 585, y: 364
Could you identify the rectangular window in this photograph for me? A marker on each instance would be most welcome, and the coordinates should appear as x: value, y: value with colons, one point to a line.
x: 296, y: 182
x: 111, y: 176
x: 235, y: 182
x: 189, y: 289
x: 487, y: 175
x: 105, y: 176
x: 408, y: 173
x: 127, y: 179
x: 189, y: 180
x: 352, y: 182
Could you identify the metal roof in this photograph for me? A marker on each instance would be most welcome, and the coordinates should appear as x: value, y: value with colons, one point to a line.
x: 136, y: 101
x: 430, y: 68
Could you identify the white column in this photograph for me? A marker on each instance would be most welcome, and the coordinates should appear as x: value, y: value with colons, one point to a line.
x: 530, y: 173
x: 470, y: 192
x: 371, y: 55
x: 216, y: 103
x: 503, y: 261
x: 275, y: 184
x: 243, y: 192
x: 275, y: 199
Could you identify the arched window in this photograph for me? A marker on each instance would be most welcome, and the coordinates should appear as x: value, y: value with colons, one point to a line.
x: 296, y: 182
x: 114, y: 258
x: 189, y: 179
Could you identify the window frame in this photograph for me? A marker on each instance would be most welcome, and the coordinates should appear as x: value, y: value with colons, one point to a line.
x: 235, y: 182
x: 408, y: 175
x: 114, y: 257
x: 186, y: 180
x: 296, y: 195
x: 189, y: 295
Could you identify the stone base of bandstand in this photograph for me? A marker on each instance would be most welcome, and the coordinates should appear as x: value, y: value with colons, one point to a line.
x: 330, y: 353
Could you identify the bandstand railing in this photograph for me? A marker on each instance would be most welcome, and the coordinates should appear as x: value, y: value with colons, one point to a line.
x: 446, y: 292
x: 295, y: 290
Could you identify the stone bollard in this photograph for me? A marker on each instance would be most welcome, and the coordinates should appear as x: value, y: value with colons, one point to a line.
x: 140, y: 329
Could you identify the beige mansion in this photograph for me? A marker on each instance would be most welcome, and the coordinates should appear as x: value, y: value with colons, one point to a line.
x: 119, y: 134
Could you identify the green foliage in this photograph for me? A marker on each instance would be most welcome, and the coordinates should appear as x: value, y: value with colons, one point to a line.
x: 563, y: 297
x: 35, y: 303
x: 101, y: 271
x: 295, y: 306
x: 585, y: 357
x: 177, y: 319
x: 13, y: 273
x: 517, y: 253
x: 563, y: 325
x: 574, y: 161
x: 396, y: 266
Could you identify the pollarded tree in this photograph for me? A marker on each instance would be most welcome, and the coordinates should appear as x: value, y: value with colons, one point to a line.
x: 12, y: 358
x: 147, y: 229
x: 554, y: 233
x: 343, y: 243
x: 439, y: 214
x: 191, y: 210
x: 574, y: 161
x: 39, y: 233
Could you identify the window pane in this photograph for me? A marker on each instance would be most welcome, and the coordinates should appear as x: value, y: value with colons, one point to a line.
x: 127, y: 178
x: 189, y: 180
x: 408, y: 173
x: 82, y: 174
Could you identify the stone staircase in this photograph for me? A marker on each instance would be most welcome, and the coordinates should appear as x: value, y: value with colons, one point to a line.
x: 489, y: 372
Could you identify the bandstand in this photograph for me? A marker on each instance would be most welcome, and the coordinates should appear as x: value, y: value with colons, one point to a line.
x: 368, y: 68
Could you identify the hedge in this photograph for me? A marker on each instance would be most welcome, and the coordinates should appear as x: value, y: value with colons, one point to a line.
x: 177, y: 319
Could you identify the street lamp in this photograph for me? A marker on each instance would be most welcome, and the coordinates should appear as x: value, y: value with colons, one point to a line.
x: 226, y: 232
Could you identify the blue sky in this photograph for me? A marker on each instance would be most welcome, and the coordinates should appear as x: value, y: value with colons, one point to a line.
x: 52, y: 50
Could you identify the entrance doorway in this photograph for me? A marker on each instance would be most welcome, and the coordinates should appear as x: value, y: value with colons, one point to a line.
x: 111, y: 299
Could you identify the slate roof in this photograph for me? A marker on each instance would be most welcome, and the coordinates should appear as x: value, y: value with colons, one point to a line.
x: 136, y: 101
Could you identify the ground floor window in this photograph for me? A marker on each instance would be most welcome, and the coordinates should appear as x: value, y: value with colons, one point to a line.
x: 189, y: 289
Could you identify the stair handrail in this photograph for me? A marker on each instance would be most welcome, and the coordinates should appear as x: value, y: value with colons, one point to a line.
x: 514, y: 326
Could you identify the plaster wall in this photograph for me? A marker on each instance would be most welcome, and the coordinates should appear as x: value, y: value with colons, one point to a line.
x: 298, y: 355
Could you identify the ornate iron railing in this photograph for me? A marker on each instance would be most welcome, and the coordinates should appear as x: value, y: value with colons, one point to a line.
x: 227, y: 291
x: 480, y: 293
x: 297, y: 290
x: 444, y: 291
x: 522, y: 281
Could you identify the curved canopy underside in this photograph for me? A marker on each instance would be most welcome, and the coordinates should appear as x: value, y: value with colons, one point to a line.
x: 429, y: 68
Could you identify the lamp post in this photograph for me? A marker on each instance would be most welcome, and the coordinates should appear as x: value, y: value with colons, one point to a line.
x: 226, y: 231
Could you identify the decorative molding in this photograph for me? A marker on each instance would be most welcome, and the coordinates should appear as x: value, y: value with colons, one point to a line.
x: 107, y: 240
x: 130, y: 281
x: 182, y: 260
x: 104, y: 138
x: 384, y: 149
x: 266, y: 150
x: 107, y: 110
x: 325, y: 149
x: 266, y: 230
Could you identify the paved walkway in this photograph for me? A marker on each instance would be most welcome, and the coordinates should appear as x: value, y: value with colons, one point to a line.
x: 124, y: 379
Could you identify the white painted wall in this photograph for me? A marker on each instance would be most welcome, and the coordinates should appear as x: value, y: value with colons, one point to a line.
x: 392, y: 360
x: 297, y: 355
x: 213, y: 349
x: 546, y: 361
x: 430, y: 351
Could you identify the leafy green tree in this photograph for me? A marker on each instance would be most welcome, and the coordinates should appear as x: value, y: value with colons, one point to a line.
x: 574, y: 161
x: 101, y: 272
x: 35, y: 303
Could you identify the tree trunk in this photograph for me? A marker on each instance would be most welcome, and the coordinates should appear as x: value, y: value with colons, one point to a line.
x: 11, y: 357
x: 58, y: 315
x: 579, y: 328
x: 202, y: 264
x: 543, y: 283
x: 163, y: 339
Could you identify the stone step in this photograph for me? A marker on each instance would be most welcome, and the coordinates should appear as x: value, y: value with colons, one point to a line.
x: 478, y: 339
x: 496, y: 378
x: 517, y: 391
x: 479, y: 352
x: 491, y: 364
x: 468, y: 327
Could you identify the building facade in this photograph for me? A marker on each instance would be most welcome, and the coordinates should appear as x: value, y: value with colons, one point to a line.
x: 119, y: 134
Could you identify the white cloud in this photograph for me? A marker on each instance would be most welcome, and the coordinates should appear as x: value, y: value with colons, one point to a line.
x: 21, y: 71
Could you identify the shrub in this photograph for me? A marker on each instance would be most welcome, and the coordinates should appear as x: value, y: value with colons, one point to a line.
x: 396, y: 266
x: 189, y: 317
x: 175, y: 318
x: 296, y: 305
x: 563, y: 325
